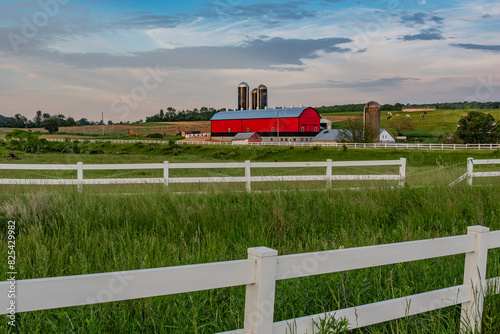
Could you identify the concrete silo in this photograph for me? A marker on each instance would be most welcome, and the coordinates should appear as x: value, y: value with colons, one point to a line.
x: 255, y: 99
x: 262, y: 97
x: 243, y: 90
x: 371, y: 121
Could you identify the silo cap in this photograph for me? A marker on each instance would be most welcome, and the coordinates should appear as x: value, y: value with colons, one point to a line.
x: 372, y: 104
x: 262, y: 87
x: 243, y: 84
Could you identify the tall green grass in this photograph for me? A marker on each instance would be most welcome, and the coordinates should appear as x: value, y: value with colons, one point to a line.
x: 69, y: 233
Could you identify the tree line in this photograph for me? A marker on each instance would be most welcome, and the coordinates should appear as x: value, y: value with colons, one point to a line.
x: 399, y: 106
x: 172, y: 115
x: 41, y: 120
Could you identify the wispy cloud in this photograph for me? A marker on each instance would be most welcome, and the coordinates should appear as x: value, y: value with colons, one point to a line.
x: 359, y: 84
x: 480, y: 47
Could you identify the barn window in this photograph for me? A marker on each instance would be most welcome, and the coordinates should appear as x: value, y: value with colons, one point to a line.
x: 281, y: 139
x: 302, y: 129
x: 271, y: 139
x: 294, y: 139
x: 315, y: 129
x: 301, y: 139
x: 272, y: 129
x: 248, y: 129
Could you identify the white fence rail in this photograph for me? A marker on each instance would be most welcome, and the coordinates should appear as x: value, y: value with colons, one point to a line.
x: 470, y: 168
x: 418, y: 146
x: 264, y: 267
x: 247, y: 166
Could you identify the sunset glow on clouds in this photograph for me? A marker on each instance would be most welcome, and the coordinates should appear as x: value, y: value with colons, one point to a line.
x: 129, y: 59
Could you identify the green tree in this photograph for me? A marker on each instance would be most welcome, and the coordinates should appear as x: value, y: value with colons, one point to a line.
x: 45, y: 118
x: 401, y: 124
x: 478, y: 128
x: 354, y: 132
x: 70, y: 121
x: 52, y: 125
x: 38, y: 119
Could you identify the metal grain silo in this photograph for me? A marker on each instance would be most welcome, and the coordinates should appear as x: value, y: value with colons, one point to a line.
x: 243, y: 90
x: 262, y: 97
x: 255, y: 100
x: 372, y: 121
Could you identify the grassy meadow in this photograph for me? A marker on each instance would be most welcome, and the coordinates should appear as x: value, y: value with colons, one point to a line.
x: 63, y: 232
x: 436, y: 123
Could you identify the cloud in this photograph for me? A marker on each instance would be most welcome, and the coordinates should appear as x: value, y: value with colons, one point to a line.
x: 421, y: 18
x: 271, y: 14
x: 481, y: 47
x: 255, y: 54
x: 371, y: 84
x: 149, y: 20
x: 425, y: 35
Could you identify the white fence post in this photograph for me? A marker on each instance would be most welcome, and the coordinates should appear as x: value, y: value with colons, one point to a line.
x: 475, y: 275
x: 402, y: 172
x: 247, y: 176
x: 259, y: 299
x: 328, y: 173
x: 470, y: 170
x: 79, y: 175
x: 165, y: 173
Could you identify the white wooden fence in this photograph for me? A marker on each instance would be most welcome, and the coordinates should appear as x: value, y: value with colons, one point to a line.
x: 247, y: 179
x: 418, y: 146
x: 264, y: 267
x: 470, y: 168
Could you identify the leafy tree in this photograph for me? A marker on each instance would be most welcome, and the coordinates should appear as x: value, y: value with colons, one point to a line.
x: 354, y: 132
x: 38, y: 119
x: 45, y: 118
x: 20, y: 121
x: 70, y: 121
x: 52, y: 125
x: 401, y: 124
x: 20, y: 135
x: 478, y: 128
x: 83, y: 121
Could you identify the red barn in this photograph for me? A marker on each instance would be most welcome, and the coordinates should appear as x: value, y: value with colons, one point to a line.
x: 293, y: 122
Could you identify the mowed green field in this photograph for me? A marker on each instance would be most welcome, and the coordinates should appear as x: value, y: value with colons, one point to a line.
x: 429, y: 127
x: 63, y: 232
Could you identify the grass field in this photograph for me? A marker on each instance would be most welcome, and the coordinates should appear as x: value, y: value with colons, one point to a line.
x: 428, y: 128
x: 436, y: 123
x: 62, y: 232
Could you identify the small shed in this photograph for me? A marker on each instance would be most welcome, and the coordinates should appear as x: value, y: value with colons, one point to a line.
x: 244, y: 138
x: 325, y: 123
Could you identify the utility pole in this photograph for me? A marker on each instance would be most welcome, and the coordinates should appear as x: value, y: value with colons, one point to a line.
x: 278, y: 121
x: 102, y: 118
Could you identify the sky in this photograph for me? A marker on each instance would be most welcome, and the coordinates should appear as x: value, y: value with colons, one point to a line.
x: 129, y: 59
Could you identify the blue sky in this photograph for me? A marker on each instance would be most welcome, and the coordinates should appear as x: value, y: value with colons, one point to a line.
x: 129, y: 59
